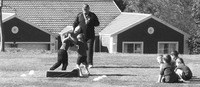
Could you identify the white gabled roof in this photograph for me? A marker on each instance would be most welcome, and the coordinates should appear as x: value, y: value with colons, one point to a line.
x: 7, y: 16
x: 66, y: 29
x: 123, y: 21
x: 126, y: 21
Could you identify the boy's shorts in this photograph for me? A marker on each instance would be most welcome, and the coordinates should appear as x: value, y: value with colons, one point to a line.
x: 81, y: 59
x: 62, y: 55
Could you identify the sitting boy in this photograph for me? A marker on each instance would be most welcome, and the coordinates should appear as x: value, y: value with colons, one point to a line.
x: 182, y: 70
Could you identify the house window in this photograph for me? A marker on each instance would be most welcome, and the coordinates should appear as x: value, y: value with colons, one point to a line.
x: 167, y: 47
x: 132, y: 47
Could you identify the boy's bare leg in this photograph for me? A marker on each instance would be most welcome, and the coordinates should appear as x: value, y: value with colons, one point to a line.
x: 180, y: 73
x: 79, y: 69
x: 87, y: 69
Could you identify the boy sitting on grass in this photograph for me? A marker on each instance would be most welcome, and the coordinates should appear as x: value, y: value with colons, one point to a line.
x: 167, y: 74
x: 182, y: 70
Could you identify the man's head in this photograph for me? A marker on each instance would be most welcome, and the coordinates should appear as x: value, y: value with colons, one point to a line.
x: 86, y: 8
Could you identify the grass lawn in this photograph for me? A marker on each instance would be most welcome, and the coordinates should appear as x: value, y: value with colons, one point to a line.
x: 121, y: 70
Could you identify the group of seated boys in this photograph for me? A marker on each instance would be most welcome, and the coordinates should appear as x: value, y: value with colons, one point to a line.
x: 173, y: 69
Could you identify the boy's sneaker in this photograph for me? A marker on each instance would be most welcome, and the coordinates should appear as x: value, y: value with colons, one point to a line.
x: 90, y: 66
x: 80, y: 73
x: 87, y: 72
x: 181, y: 80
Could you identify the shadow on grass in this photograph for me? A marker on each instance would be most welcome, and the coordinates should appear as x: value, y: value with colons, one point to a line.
x: 194, y: 80
x: 125, y: 66
x: 113, y: 75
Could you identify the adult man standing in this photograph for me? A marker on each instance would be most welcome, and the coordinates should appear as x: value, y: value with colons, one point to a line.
x: 87, y: 20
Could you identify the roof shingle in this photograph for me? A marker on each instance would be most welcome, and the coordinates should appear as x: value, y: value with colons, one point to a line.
x: 55, y: 15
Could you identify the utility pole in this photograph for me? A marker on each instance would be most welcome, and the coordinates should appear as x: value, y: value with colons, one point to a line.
x: 2, y: 30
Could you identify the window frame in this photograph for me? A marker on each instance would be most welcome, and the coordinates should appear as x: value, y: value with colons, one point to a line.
x: 141, y: 43
x: 167, y: 42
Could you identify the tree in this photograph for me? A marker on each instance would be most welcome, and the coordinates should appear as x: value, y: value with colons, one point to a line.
x: 193, y: 41
x: 196, y: 12
x: 121, y: 4
x: 142, y: 6
x: 2, y: 34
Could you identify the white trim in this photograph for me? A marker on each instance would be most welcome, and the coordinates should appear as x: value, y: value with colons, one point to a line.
x: 116, y: 6
x: 32, y: 42
x: 52, y: 43
x: 168, y: 42
x: 28, y: 42
x: 131, y: 25
x: 132, y: 42
x: 110, y: 45
x: 104, y: 34
x: 9, y: 42
x: 13, y: 15
x: 105, y: 41
x: 114, y: 44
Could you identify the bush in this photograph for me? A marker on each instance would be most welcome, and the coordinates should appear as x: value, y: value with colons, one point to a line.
x: 194, y: 44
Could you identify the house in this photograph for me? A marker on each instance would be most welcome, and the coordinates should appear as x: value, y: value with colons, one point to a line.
x: 142, y: 33
x: 22, y: 33
x: 45, y: 19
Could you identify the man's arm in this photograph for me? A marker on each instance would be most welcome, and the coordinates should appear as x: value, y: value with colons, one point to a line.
x: 96, y: 21
x: 76, y: 21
